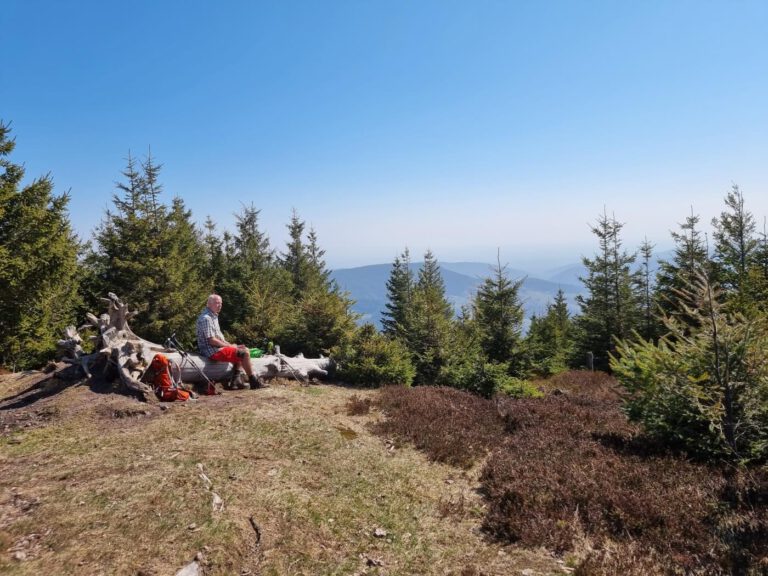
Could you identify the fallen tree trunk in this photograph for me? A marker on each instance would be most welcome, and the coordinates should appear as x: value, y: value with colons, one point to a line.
x: 118, y: 347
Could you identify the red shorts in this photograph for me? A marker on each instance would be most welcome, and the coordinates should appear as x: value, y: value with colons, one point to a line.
x: 226, y: 354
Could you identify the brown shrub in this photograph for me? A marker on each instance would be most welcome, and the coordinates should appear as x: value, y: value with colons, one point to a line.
x: 595, y: 385
x: 357, y: 406
x: 570, y: 473
x: 449, y: 425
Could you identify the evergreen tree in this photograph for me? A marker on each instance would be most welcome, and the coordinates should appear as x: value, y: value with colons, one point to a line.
x: 611, y: 308
x: 690, y: 259
x: 215, y: 260
x: 735, y: 243
x: 151, y: 255
x: 247, y: 258
x: 499, y: 315
x: 549, y: 341
x: 431, y: 322
x: 182, y: 281
x: 704, y: 385
x: 38, y: 264
x: 318, y: 273
x: 398, y: 312
x: 757, y: 280
x: 295, y: 259
x: 648, y: 327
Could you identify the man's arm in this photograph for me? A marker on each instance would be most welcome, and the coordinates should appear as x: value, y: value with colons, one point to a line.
x: 218, y: 342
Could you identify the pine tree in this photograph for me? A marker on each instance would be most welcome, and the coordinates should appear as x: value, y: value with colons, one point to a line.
x: 431, y: 322
x: 735, y: 243
x: 38, y: 264
x: 549, y: 341
x: 150, y: 255
x: 499, y: 315
x: 215, y: 261
x: 247, y: 259
x: 318, y: 272
x: 690, y: 258
x: 317, y: 315
x: 294, y: 259
x: 703, y: 386
x: 398, y: 312
x: 611, y: 308
x: 649, y: 326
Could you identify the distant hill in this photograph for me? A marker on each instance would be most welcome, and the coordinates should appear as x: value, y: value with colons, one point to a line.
x: 367, y: 285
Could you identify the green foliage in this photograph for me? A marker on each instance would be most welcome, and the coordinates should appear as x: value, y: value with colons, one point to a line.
x: 321, y: 322
x: 397, y: 318
x: 704, y: 388
x: 372, y: 359
x: 475, y: 374
x: 735, y: 243
x: 151, y: 255
x: 431, y: 322
x: 248, y: 275
x: 499, y: 315
x: 677, y: 275
x: 38, y: 264
x: 549, y: 343
x: 611, y: 309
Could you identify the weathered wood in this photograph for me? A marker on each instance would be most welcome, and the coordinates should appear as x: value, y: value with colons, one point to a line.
x: 130, y: 355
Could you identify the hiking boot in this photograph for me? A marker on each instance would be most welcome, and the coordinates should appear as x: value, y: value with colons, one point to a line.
x: 257, y: 382
x: 238, y: 382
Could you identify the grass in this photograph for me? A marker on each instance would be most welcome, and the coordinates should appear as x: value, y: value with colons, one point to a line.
x: 104, y: 484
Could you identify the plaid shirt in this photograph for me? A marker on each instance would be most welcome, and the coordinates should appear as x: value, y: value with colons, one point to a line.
x: 207, y: 326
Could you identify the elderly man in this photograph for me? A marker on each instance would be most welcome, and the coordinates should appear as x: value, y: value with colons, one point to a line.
x: 212, y: 344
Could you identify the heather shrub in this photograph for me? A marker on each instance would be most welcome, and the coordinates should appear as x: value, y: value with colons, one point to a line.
x: 357, y: 406
x: 553, y: 480
x: 372, y: 359
x: 571, y: 473
x: 449, y: 425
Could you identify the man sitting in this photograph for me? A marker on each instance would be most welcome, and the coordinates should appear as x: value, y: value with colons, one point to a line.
x: 212, y: 345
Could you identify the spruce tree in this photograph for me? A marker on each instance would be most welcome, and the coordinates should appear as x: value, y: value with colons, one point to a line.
x: 610, y: 309
x: 151, y: 255
x: 499, y: 315
x: 676, y: 276
x: 38, y: 264
x: 295, y: 259
x: 549, y: 341
x: 649, y: 326
x: 431, y: 322
x: 398, y: 310
x: 215, y: 261
x: 320, y: 315
x: 247, y: 258
x: 735, y: 243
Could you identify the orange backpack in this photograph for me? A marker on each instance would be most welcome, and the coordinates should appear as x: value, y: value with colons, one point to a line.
x: 166, y: 388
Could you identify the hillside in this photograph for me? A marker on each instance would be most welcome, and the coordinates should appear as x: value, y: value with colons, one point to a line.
x: 367, y: 285
x: 93, y: 482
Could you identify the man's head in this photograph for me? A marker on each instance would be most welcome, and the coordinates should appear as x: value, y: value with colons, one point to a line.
x: 214, y: 303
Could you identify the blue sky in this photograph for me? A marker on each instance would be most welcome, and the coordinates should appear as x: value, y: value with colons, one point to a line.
x: 455, y: 126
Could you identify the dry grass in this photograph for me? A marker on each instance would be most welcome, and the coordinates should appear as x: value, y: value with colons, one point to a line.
x: 97, y: 483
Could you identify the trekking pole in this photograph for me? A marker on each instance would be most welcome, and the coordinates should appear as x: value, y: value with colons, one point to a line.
x: 173, y: 344
x: 296, y: 375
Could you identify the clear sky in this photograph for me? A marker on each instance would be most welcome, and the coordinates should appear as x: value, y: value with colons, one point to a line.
x: 455, y: 126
